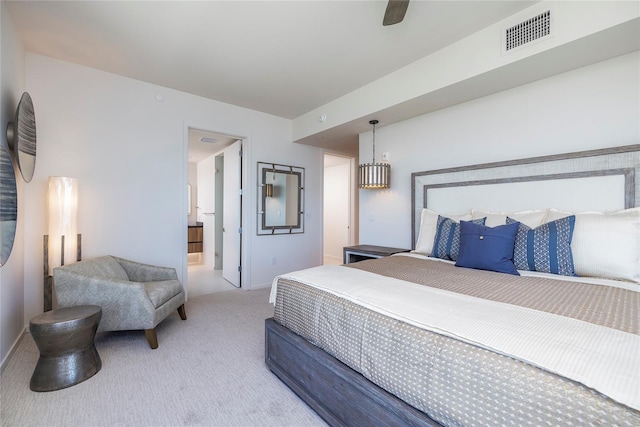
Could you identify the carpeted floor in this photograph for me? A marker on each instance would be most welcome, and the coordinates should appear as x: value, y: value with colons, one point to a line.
x: 208, y: 370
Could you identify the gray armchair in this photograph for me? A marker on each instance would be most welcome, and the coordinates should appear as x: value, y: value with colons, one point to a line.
x: 132, y: 295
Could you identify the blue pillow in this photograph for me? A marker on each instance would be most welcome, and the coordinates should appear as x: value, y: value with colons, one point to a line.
x: 487, y: 248
x: 546, y: 248
x: 446, y: 242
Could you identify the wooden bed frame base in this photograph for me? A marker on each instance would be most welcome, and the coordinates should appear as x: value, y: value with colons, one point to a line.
x: 340, y: 395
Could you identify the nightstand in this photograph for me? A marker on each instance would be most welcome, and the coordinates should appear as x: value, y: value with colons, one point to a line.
x: 362, y: 252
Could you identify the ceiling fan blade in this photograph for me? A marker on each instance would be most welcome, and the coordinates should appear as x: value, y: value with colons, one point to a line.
x: 395, y: 12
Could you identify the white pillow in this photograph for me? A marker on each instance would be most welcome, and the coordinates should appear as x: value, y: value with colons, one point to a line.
x: 529, y: 218
x: 554, y: 214
x: 428, y: 224
x: 605, y: 244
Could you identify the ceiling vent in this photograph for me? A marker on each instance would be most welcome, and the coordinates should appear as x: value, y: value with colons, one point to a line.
x: 208, y: 139
x: 524, y: 33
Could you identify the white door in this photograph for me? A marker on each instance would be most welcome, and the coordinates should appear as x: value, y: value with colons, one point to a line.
x: 232, y: 204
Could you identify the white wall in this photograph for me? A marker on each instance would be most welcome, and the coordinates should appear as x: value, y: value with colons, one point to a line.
x: 592, y: 22
x: 290, y: 250
x: 129, y: 154
x: 12, y: 273
x: 593, y: 107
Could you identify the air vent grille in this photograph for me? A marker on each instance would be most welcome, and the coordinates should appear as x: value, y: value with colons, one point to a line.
x: 528, y: 31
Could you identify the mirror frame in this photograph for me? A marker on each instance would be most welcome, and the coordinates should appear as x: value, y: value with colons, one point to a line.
x: 8, y: 205
x: 269, y: 230
x: 21, y: 137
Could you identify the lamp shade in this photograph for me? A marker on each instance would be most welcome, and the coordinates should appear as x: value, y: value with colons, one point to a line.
x: 373, y: 176
x: 63, y: 207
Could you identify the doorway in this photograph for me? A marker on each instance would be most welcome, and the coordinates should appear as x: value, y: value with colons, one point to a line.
x: 338, y: 207
x: 210, y: 187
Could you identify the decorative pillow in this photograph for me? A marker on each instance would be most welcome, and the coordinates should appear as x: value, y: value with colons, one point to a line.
x: 487, y: 248
x: 446, y: 243
x: 530, y: 218
x: 428, y: 224
x: 606, y: 244
x: 546, y: 248
x: 554, y: 214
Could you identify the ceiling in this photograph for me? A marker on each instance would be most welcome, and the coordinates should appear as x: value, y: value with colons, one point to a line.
x: 284, y: 58
x: 203, y: 144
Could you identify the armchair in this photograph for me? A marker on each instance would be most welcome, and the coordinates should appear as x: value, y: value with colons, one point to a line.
x: 132, y: 295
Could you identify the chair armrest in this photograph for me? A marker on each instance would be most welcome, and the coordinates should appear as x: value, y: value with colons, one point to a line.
x: 139, y: 272
x: 123, y: 303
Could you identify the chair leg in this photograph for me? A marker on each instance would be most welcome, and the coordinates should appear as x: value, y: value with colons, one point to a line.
x: 182, y: 313
x: 152, y: 337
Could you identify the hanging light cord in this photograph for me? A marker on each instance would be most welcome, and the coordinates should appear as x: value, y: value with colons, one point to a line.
x: 374, y: 123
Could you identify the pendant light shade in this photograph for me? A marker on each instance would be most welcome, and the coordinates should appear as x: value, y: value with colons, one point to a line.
x: 374, y: 176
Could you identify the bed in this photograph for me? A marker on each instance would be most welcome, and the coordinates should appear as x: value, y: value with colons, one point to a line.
x: 424, y: 339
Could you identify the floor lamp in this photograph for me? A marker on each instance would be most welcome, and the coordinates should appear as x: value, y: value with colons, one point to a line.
x: 63, y: 216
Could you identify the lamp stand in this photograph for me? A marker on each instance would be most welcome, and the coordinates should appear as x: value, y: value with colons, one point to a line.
x: 47, y: 279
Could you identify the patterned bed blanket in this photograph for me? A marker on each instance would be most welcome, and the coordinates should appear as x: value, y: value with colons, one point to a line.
x: 471, y: 347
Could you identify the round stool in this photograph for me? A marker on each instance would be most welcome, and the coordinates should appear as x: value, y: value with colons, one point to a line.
x: 68, y: 355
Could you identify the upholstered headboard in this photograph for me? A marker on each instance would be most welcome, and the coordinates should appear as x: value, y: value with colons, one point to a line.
x: 598, y: 180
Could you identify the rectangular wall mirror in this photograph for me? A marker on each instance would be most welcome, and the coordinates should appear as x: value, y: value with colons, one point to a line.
x: 280, y: 199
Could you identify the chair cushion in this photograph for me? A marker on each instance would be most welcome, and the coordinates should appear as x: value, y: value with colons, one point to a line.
x: 105, y: 267
x: 161, y: 292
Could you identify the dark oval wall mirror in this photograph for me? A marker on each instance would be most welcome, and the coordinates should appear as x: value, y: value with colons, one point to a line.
x: 8, y: 205
x: 21, y: 137
x: 280, y: 199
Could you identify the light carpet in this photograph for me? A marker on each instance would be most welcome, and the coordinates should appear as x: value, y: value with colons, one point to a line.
x: 208, y: 370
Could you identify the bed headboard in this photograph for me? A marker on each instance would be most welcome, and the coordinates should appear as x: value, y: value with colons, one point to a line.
x: 597, y: 180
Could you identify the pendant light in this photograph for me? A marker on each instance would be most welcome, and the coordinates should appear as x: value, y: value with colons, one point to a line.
x: 374, y: 176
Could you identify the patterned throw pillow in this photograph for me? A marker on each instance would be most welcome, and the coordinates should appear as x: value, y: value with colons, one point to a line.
x: 487, y: 248
x: 446, y: 243
x: 546, y: 248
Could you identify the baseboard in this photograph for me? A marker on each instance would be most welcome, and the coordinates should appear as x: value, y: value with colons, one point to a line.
x: 260, y: 286
x: 13, y: 348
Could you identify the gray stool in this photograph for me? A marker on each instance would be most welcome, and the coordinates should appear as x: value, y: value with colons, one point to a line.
x: 68, y: 355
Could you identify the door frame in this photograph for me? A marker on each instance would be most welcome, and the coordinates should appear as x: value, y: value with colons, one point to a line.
x: 247, y: 193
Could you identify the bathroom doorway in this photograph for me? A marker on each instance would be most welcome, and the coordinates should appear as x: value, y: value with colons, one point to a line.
x: 207, y: 213
x: 338, y: 215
